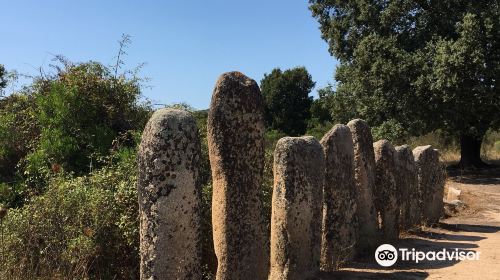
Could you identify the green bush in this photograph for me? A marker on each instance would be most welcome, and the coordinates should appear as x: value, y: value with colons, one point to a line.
x: 318, y: 130
x: 80, y: 228
x: 82, y: 111
x: 391, y: 130
x: 65, y: 122
x: 18, y: 131
x: 271, y: 137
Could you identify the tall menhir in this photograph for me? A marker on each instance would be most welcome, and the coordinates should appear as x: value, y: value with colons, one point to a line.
x: 236, y: 149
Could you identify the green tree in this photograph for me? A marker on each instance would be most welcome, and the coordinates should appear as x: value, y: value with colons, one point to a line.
x: 3, y: 78
x: 287, y: 100
x: 410, y: 67
x: 320, y: 108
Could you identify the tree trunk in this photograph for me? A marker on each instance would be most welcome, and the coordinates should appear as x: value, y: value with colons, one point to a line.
x: 470, y: 152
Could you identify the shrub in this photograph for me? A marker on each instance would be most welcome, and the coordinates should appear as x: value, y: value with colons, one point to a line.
x: 18, y: 132
x: 390, y: 130
x: 85, y: 109
x: 318, y: 130
x: 80, y: 228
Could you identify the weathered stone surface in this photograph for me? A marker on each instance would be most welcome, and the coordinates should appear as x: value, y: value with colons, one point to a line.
x: 386, y: 192
x: 169, y: 197
x: 296, y: 208
x: 236, y: 149
x: 364, y: 174
x: 340, y: 222
x: 407, y: 183
x: 431, y: 182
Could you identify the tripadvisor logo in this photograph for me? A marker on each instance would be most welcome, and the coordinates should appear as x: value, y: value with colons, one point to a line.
x: 387, y: 255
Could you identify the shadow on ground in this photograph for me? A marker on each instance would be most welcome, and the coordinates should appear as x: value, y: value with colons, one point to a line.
x: 487, y: 176
x: 477, y: 180
x: 448, y: 236
x: 469, y: 228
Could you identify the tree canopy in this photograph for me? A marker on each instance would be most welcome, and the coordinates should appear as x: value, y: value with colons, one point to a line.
x: 410, y: 67
x: 287, y: 100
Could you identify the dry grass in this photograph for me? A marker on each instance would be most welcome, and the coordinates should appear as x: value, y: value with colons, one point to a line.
x: 450, y: 150
x: 491, y: 154
x: 488, y: 154
x: 450, y: 156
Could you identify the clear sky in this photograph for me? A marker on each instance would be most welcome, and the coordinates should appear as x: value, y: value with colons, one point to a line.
x: 186, y: 44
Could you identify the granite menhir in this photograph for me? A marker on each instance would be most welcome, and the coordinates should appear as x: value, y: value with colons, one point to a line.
x: 235, y: 135
x: 386, y: 192
x: 364, y: 175
x: 170, y: 197
x: 407, y: 182
x: 299, y: 168
x: 340, y: 222
x: 431, y: 182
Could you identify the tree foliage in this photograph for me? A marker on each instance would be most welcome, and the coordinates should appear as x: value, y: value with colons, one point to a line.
x: 287, y: 100
x: 321, y: 106
x: 81, y: 111
x: 3, y: 78
x: 410, y: 67
x: 18, y: 131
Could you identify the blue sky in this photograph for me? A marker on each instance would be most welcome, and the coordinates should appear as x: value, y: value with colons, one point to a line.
x: 186, y: 44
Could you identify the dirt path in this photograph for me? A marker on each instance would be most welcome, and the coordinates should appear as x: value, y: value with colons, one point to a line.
x: 473, y: 229
x: 479, y: 225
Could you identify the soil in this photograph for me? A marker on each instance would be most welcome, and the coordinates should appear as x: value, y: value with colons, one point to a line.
x: 475, y: 227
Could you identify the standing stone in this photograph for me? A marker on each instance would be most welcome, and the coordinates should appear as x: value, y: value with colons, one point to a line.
x: 364, y: 175
x: 169, y: 197
x: 236, y: 150
x: 299, y: 167
x: 386, y: 192
x: 340, y: 221
x: 407, y: 183
x: 431, y: 182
